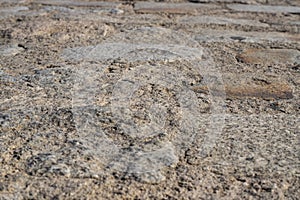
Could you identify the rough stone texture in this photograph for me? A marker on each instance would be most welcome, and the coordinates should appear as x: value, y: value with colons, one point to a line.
x: 11, y: 50
x: 6, y: 12
x: 274, y: 2
x: 270, y: 56
x: 264, y: 9
x: 247, y: 85
x: 77, y: 3
x: 247, y: 37
x: 220, y: 20
x: 117, y: 100
x: 174, y: 8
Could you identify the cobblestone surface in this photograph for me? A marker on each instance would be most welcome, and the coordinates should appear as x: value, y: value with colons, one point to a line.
x: 173, y: 99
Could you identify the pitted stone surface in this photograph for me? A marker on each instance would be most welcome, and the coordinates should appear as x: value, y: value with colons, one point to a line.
x: 270, y: 56
x: 146, y: 153
x: 149, y: 100
x: 249, y: 86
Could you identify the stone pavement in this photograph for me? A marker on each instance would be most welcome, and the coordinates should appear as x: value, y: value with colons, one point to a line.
x: 149, y: 100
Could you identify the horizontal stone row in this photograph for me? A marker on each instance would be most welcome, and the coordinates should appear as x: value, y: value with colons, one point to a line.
x: 6, y: 12
x: 270, y: 56
x: 211, y: 35
x: 264, y: 8
x: 191, y: 20
x: 179, y: 8
x: 249, y: 86
x: 173, y: 8
x: 76, y: 3
x: 184, y: 8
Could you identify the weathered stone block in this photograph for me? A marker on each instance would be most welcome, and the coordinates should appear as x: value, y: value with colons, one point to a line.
x: 210, y: 35
x: 220, y: 21
x: 269, y: 56
x: 76, y: 3
x: 264, y: 8
x: 248, y: 86
x: 173, y: 8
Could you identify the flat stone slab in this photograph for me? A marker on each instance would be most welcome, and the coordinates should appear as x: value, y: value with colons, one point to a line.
x: 10, y: 50
x: 210, y: 35
x: 11, y: 1
x: 134, y: 52
x: 270, y: 56
x: 220, y: 21
x: 77, y: 3
x: 264, y: 8
x: 251, y: 86
x: 5, y: 12
x: 173, y: 8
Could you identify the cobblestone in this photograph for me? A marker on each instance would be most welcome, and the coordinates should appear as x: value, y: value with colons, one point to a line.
x: 174, y: 8
x: 10, y: 11
x: 247, y: 37
x: 270, y: 56
x: 77, y: 3
x: 220, y: 20
x: 166, y: 99
x: 248, y: 86
x: 264, y: 8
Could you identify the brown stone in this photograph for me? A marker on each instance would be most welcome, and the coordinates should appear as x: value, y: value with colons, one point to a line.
x: 251, y: 87
x: 275, y: 90
x: 269, y: 56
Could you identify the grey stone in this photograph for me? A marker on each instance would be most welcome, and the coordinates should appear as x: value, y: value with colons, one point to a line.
x: 223, y: 1
x: 10, y: 50
x: 77, y: 3
x: 13, y: 9
x: 116, y: 11
x: 12, y: 1
x: 132, y: 52
x: 210, y: 35
x: 6, y: 12
x: 175, y: 8
x: 295, y: 23
x: 281, y: 136
x: 220, y: 20
x: 264, y: 8
x: 270, y: 56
